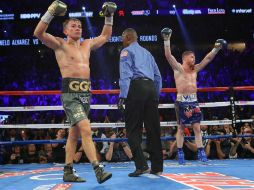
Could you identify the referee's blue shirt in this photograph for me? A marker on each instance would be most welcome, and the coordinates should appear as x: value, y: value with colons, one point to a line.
x: 135, y: 62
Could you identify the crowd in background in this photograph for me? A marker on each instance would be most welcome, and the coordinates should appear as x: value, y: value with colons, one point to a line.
x: 230, y: 68
x: 35, y: 68
x: 119, y: 151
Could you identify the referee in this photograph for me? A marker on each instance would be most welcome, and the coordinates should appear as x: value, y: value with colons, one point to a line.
x: 140, y: 84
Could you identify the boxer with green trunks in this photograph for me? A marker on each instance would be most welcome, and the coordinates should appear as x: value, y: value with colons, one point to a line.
x: 76, y: 99
x: 72, y: 56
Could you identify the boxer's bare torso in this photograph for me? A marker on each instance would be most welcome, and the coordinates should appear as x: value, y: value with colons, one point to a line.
x: 73, y: 59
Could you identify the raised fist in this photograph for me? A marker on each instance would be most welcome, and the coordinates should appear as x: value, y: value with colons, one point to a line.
x: 166, y: 33
x: 108, y: 9
x: 221, y: 44
x: 57, y: 8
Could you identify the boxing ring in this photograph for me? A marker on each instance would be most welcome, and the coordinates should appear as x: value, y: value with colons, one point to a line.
x: 230, y: 174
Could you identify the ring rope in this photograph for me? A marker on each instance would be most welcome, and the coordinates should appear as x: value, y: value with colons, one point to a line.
x: 114, y: 125
x: 63, y: 141
x: 53, y: 92
x: 114, y: 106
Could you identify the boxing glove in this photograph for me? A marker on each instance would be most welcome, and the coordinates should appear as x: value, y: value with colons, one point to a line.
x: 221, y: 44
x: 166, y: 33
x: 57, y: 8
x: 108, y: 9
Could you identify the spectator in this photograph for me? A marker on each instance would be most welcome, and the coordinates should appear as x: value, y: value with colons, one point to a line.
x: 252, y: 123
x: 228, y: 128
x: 46, y: 154
x: 59, y: 149
x: 118, y: 152
x: 16, y: 156
x: 243, y: 147
x: 31, y: 156
x: 218, y: 148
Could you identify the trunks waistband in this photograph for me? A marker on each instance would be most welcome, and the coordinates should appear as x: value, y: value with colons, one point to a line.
x: 75, y: 85
x: 187, y: 97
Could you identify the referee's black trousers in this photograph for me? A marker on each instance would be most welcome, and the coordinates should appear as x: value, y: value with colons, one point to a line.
x: 141, y: 106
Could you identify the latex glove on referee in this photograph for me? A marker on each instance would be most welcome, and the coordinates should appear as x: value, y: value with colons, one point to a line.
x: 108, y: 10
x: 120, y: 104
x: 57, y: 8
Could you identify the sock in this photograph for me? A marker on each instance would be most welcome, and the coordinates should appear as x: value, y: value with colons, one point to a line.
x: 68, y: 165
x: 95, y: 164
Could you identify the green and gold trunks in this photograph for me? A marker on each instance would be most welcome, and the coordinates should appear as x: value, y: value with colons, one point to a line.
x: 75, y: 98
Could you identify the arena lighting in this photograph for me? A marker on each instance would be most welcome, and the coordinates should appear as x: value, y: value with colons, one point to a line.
x: 88, y: 23
x: 121, y: 13
x: 174, y: 7
x: 99, y: 52
x: 1, y: 11
x: 184, y: 32
x: 239, y: 46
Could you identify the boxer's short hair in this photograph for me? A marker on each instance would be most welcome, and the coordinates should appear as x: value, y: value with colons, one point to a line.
x: 68, y: 20
x: 185, y: 53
